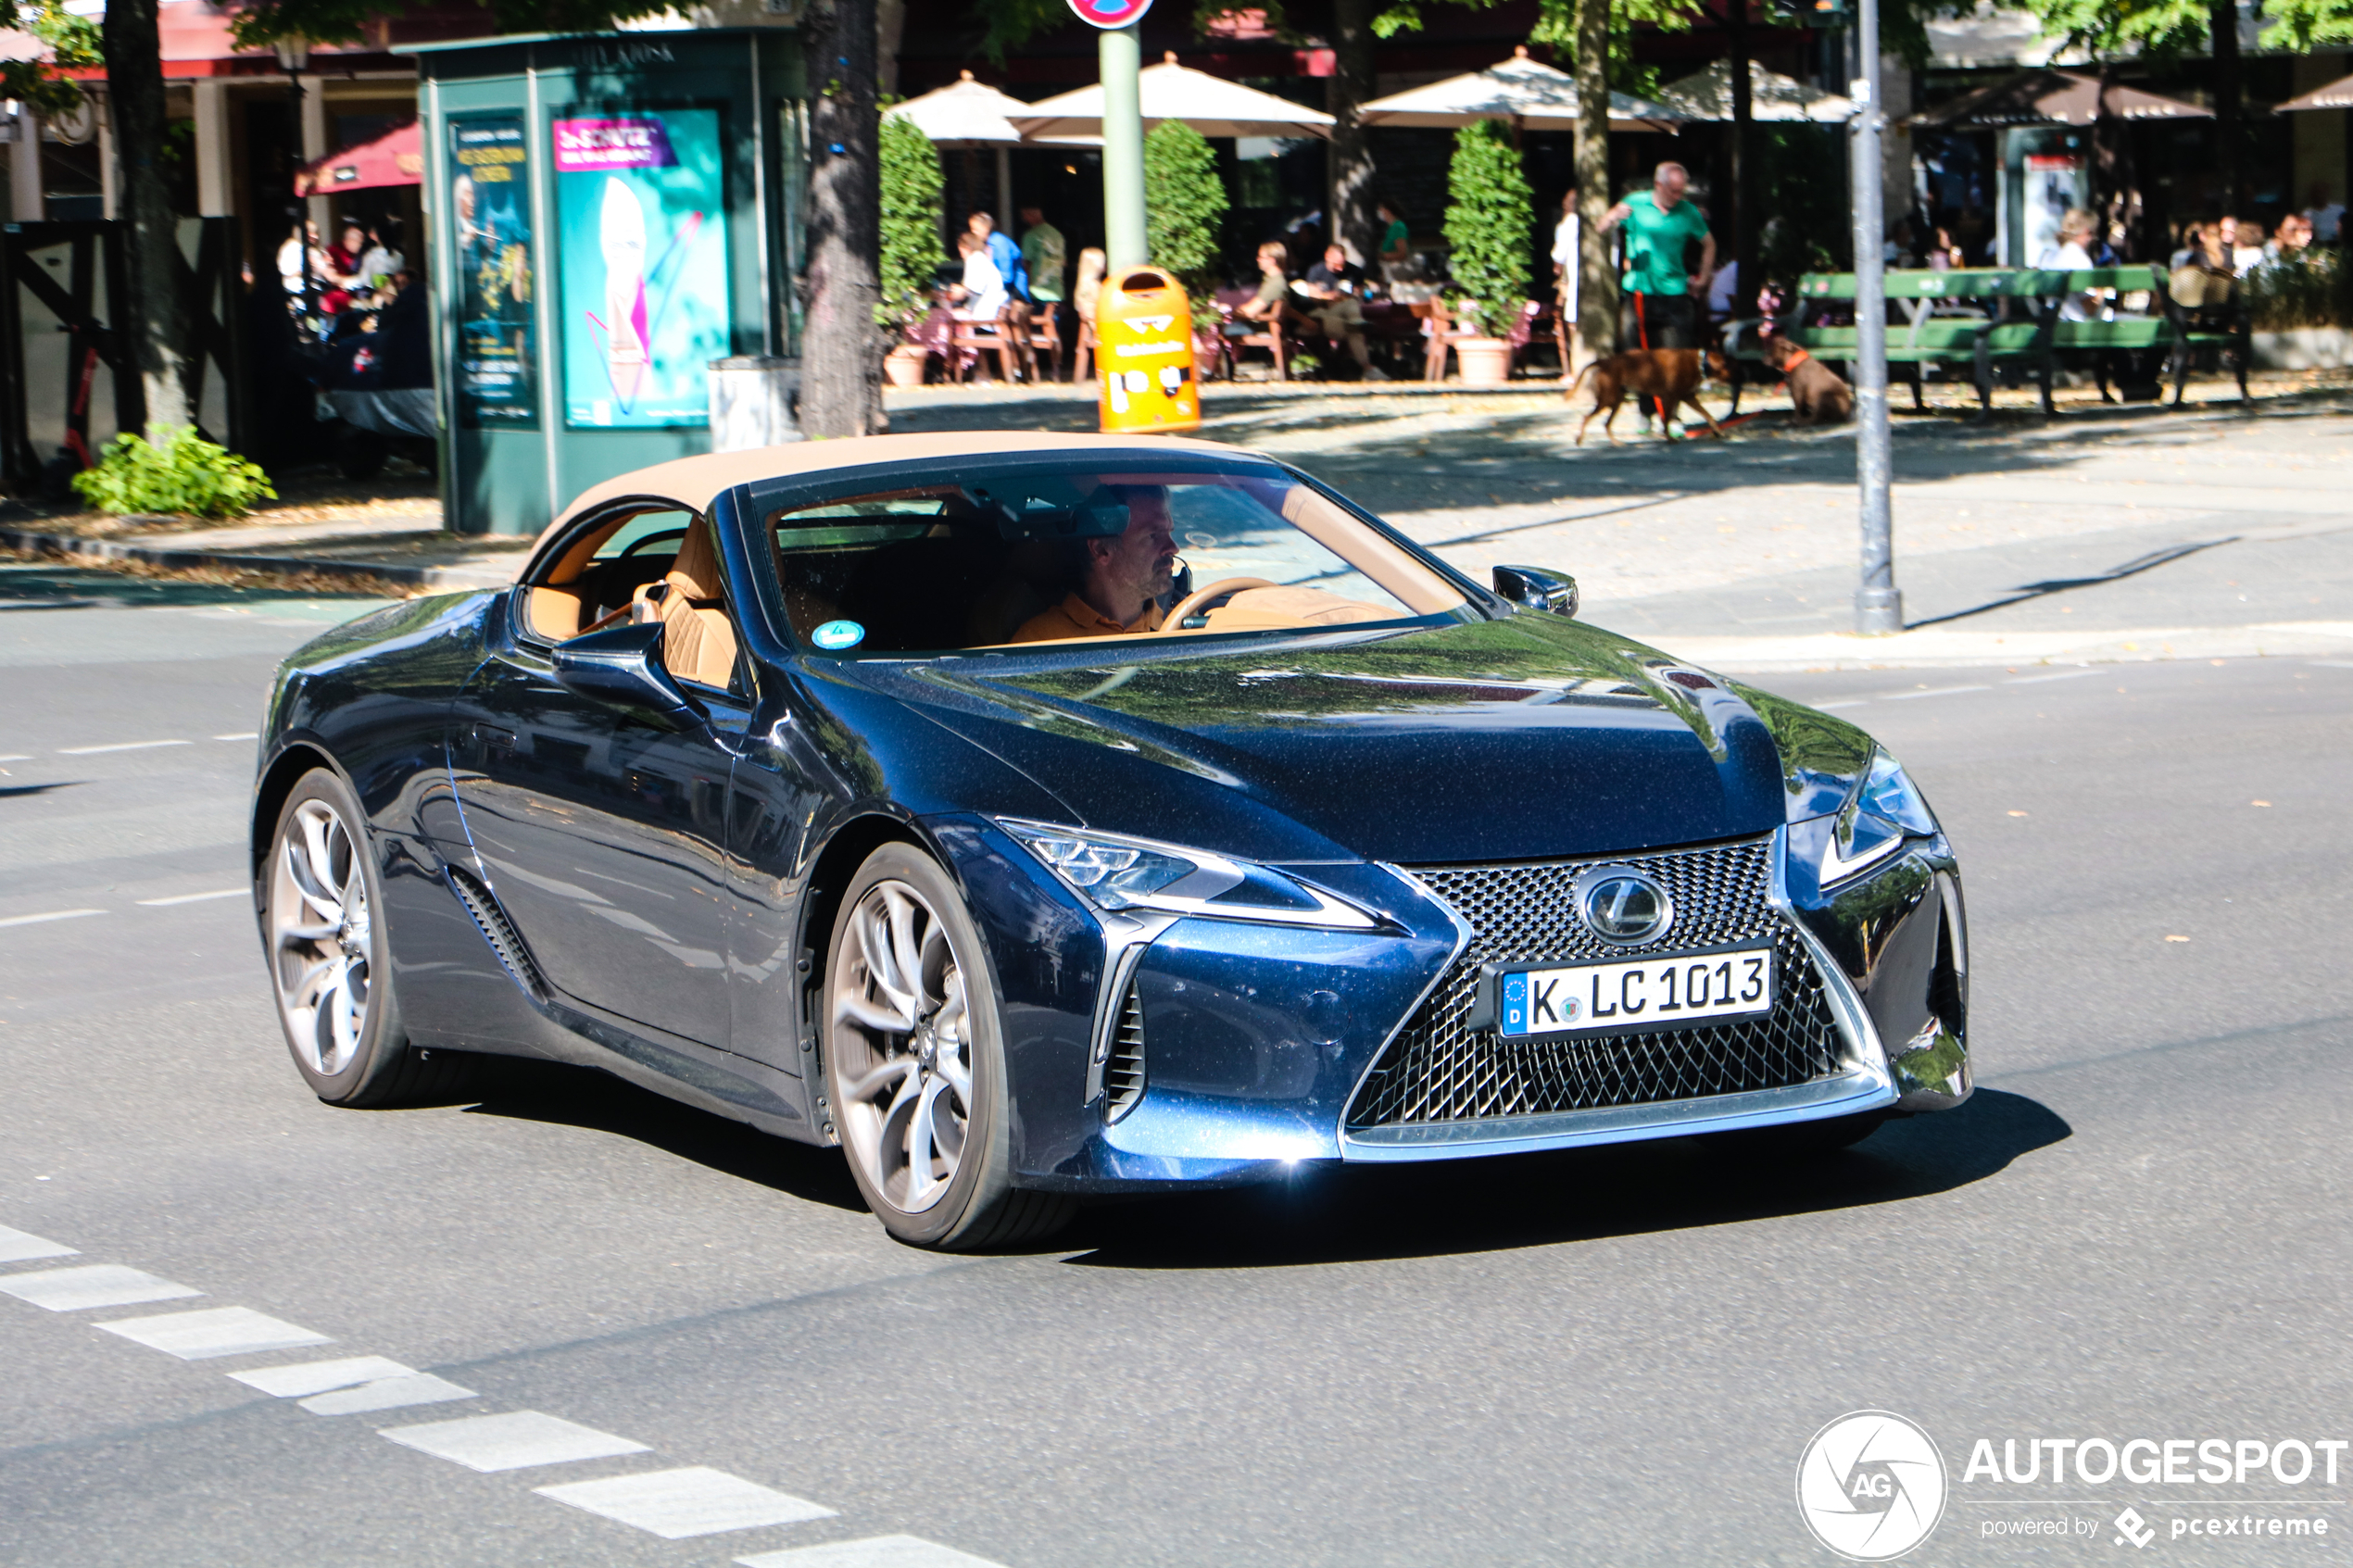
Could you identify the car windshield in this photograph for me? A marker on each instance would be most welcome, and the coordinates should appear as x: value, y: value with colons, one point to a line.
x: 1080, y: 552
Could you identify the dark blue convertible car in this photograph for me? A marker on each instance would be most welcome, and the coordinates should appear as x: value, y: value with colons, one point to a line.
x: 1041, y: 817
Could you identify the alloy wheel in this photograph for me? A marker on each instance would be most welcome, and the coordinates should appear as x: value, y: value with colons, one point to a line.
x: 320, y: 938
x: 901, y: 1038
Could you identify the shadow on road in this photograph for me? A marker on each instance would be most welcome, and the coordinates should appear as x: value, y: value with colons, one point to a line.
x: 547, y: 1092
x: 1359, y: 1213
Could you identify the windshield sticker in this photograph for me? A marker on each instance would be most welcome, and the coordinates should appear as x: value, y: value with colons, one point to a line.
x: 836, y: 635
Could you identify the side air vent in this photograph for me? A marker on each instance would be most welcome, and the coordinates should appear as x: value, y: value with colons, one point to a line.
x: 1124, y: 1071
x: 497, y: 930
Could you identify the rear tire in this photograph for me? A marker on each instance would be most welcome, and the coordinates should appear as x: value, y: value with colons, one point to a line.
x: 914, y: 1074
x: 321, y: 918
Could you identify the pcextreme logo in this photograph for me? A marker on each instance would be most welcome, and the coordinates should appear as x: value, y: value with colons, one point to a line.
x: 1870, y: 1485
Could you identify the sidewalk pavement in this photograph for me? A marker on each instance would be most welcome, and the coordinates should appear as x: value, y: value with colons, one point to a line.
x: 2105, y: 535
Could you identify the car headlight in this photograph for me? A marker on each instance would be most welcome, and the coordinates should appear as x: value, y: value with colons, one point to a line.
x: 1884, y: 809
x: 1111, y: 872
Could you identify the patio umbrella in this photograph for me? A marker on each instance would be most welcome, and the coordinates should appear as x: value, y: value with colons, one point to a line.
x: 396, y: 158
x: 2050, y: 97
x: 1528, y: 93
x: 1211, y: 104
x: 2338, y: 95
x: 967, y: 115
x: 1709, y: 96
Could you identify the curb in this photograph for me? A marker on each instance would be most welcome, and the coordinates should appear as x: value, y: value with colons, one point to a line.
x: 71, y: 547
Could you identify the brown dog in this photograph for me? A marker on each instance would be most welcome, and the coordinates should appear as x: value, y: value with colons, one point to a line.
x: 1821, y: 398
x: 1670, y: 375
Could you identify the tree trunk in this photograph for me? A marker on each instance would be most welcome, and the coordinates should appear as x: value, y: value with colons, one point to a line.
x: 2222, y: 17
x: 1348, y: 88
x: 890, y: 26
x: 158, y: 325
x: 1596, y: 278
x: 1734, y: 201
x: 841, y: 354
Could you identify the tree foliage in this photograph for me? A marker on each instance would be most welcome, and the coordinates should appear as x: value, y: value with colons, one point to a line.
x: 1186, y: 212
x: 1489, y: 212
x: 910, y: 206
x: 74, y: 43
x: 181, y: 475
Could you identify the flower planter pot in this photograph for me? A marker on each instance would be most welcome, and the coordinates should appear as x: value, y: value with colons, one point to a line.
x: 903, y: 366
x: 1486, y: 361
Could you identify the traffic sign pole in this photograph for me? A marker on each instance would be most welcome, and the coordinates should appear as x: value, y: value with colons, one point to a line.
x: 1878, y: 604
x: 1121, y: 51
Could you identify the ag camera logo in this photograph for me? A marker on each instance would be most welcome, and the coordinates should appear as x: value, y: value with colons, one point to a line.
x: 1870, y: 1485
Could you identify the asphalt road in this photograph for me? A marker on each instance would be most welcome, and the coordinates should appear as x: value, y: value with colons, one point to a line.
x: 2136, y: 1229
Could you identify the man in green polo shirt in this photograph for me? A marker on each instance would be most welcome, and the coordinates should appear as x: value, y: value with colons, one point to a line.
x: 1657, y: 308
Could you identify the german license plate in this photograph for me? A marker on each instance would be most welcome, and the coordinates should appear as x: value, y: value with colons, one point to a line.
x: 1681, y: 989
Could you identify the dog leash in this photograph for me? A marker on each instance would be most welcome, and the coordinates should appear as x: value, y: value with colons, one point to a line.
x: 1642, y: 330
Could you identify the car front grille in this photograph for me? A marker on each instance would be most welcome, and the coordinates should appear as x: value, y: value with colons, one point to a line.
x: 1437, y: 1070
x: 1123, y: 1069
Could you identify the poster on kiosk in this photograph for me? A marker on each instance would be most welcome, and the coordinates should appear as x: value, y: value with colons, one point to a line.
x: 642, y: 254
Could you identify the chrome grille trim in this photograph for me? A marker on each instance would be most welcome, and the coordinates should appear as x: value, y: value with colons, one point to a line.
x: 1436, y: 1081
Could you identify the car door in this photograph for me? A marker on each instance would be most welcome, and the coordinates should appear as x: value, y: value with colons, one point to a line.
x: 601, y: 833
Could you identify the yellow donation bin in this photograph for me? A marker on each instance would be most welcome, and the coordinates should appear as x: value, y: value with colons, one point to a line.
x: 1144, y: 354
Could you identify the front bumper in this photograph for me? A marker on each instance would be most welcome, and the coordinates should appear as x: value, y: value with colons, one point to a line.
x: 1258, y: 1042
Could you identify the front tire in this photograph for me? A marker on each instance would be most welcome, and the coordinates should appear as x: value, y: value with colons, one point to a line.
x: 329, y: 963
x: 914, y: 1061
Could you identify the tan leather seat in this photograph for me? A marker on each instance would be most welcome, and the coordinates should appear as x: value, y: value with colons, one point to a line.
x: 698, y: 640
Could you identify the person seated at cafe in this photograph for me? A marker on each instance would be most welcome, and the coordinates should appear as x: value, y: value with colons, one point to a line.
x: 981, y: 296
x: 1121, y: 578
x: 1271, y: 305
x: 1337, y: 285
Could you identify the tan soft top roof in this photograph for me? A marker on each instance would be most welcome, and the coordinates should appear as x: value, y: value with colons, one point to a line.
x: 695, y: 482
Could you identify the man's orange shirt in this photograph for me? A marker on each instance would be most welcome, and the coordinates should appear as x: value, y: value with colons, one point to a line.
x: 1075, y: 617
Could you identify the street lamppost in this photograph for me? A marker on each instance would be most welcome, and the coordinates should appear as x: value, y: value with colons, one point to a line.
x: 294, y: 54
x: 1878, y: 604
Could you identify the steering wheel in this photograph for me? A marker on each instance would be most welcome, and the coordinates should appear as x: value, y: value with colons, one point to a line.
x: 1195, y: 602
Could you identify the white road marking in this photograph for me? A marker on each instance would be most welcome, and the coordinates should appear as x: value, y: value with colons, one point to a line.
x: 1937, y: 691
x: 99, y: 1285
x: 2038, y: 679
x: 119, y: 745
x: 696, y: 1500
x: 388, y: 1394
x: 2324, y: 663
x: 23, y: 1247
x: 250, y: 734
x: 876, y: 1551
x: 216, y: 1331
x: 1834, y: 707
x: 16, y: 757
x: 192, y: 897
x: 317, y: 1377
x: 514, y: 1441
x: 53, y: 914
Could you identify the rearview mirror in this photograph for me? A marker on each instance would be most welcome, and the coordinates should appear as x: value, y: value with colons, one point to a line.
x: 1554, y: 592
x: 622, y: 668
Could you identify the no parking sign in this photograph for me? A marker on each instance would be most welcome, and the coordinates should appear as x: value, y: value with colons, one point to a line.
x: 1110, y: 12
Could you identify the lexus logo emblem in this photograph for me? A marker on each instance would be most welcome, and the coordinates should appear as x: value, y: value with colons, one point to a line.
x: 1622, y: 906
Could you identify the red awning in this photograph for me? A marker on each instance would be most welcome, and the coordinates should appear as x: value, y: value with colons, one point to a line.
x: 396, y: 158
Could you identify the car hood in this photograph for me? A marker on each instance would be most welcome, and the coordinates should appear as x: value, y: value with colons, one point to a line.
x: 1512, y: 739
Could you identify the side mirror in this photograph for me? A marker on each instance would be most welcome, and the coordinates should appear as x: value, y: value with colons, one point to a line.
x: 1532, y: 587
x: 621, y: 667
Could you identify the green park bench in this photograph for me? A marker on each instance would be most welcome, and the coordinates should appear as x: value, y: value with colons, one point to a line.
x: 2158, y: 322
x: 1989, y: 318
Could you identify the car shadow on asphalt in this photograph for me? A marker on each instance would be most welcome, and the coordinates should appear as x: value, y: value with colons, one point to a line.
x: 524, y: 1090
x: 1362, y: 1213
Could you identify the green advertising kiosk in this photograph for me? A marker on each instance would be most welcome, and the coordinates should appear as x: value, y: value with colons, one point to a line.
x: 609, y: 213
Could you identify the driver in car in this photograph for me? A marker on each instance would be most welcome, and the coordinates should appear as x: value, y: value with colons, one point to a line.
x: 1121, y: 578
